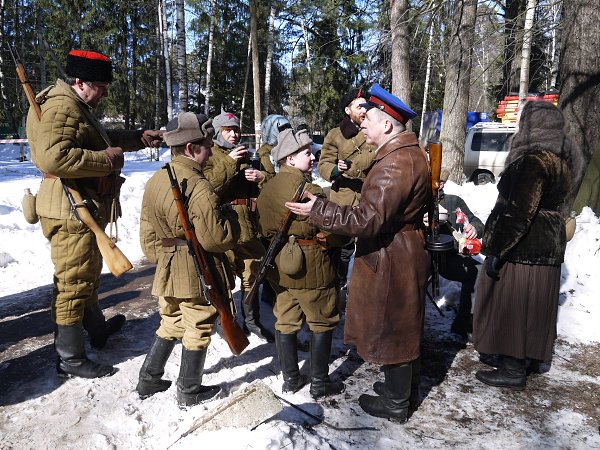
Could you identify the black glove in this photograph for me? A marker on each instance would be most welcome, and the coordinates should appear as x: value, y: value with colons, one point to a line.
x: 492, y: 266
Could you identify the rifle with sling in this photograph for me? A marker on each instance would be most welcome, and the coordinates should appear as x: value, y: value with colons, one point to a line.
x: 116, y: 261
x: 213, y: 290
x: 274, y: 246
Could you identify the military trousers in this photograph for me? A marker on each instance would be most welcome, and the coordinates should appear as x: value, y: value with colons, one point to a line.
x: 318, y: 307
x: 245, y: 259
x: 77, y: 267
x: 190, y: 320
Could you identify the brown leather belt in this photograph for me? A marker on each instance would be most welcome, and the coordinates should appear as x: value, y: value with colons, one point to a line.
x: 173, y: 242
x: 241, y: 201
x: 305, y: 242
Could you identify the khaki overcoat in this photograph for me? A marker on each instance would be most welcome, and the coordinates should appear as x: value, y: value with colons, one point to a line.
x: 217, y: 232
x: 384, y: 316
x: 346, y: 188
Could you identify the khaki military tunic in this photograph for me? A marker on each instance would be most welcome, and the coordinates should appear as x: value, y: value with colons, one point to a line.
x: 310, y: 294
x: 185, y: 313
x: 227, y: 178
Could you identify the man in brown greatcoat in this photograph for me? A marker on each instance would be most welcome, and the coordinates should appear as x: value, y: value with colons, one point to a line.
x: 68, y: 143
x: 345, y: 159
x: 387, y: 288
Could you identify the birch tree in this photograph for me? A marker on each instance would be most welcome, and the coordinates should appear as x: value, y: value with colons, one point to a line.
x: 269, y: 59
x: 255, y: 70
x: 211, y: 38
x: 181, y: 55
x: 526, y: 54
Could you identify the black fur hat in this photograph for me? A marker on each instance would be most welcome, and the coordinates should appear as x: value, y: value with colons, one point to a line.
x: 89, y: 66
x: 351, y: 95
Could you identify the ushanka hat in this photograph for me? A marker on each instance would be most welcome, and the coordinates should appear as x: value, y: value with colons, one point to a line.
x: 289, y: 143
x: 89, y: 66
x: 188, y: 127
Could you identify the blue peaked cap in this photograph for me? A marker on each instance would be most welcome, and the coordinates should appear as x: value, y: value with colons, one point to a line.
x: 389, y: 104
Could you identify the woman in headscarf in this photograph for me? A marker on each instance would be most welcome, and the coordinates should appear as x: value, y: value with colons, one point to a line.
x: 524, y: 240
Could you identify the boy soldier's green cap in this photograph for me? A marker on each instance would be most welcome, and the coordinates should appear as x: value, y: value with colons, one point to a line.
x: 188, y: 127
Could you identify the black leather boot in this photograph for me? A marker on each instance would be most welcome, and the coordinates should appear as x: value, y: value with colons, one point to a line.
x: 150, y: 381
x: 251, y: 315
x: 287, y: 353
x: 72, y: 360
x: 511, y: 374
x: 320, y: 351
x: 395, y: 401
x: 415, y: 389
x: 190, y: 390
x: 98, y: 328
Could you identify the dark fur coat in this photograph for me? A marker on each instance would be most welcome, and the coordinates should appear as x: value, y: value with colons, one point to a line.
x: 527, y: 223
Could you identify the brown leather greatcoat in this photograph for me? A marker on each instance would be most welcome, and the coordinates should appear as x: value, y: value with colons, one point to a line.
x: 384, y: 316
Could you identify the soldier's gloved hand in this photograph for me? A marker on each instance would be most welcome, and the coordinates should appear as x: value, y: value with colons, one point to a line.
x: 115, y: 157
x: 492, y: 267
x: 152, y: 138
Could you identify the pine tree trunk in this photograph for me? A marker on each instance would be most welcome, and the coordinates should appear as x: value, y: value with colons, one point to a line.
x: 511, y: 25
x: 456, y: 94
x: 3, y: 88
x: 401, y: 86
x: 181, y: 60
x: 211, y: 37
x: 580, y: 92
x: 255, y: 71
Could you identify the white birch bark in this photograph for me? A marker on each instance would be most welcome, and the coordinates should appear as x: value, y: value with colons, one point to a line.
x: 211, y: 36
x: 181, y: 63
x: 269, y: 60
x: 526, y: 55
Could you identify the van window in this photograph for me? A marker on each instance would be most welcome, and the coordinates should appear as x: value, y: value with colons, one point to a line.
x: 489, y: 142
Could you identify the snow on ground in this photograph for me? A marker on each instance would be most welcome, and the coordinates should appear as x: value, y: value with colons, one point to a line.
x: 560, y: 408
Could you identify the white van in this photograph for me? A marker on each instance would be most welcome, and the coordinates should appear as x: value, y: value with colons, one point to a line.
x: 485, y: 151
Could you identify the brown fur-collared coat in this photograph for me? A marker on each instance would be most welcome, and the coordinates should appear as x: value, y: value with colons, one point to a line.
x: 385, y: 311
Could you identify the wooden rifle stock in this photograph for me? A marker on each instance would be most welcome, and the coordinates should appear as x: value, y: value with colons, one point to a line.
x: 274, y: 246
x: 436, y: 243
x: 235, y: 337
x: 435, y: 163
x: 115, y: 260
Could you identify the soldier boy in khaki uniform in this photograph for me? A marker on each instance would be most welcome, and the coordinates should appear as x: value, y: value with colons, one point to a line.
x: 185, y: 312
x: 345, y: 158
x: 69, y: 143
x: 236, y: 183
x: 305, y: 281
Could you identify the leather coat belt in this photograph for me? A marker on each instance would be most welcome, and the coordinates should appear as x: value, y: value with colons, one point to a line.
x: 173, y: 242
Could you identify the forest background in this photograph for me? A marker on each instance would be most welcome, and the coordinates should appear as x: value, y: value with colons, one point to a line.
x: 299, y: 57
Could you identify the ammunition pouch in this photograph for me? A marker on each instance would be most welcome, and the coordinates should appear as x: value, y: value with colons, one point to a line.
x: 110, y: 185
